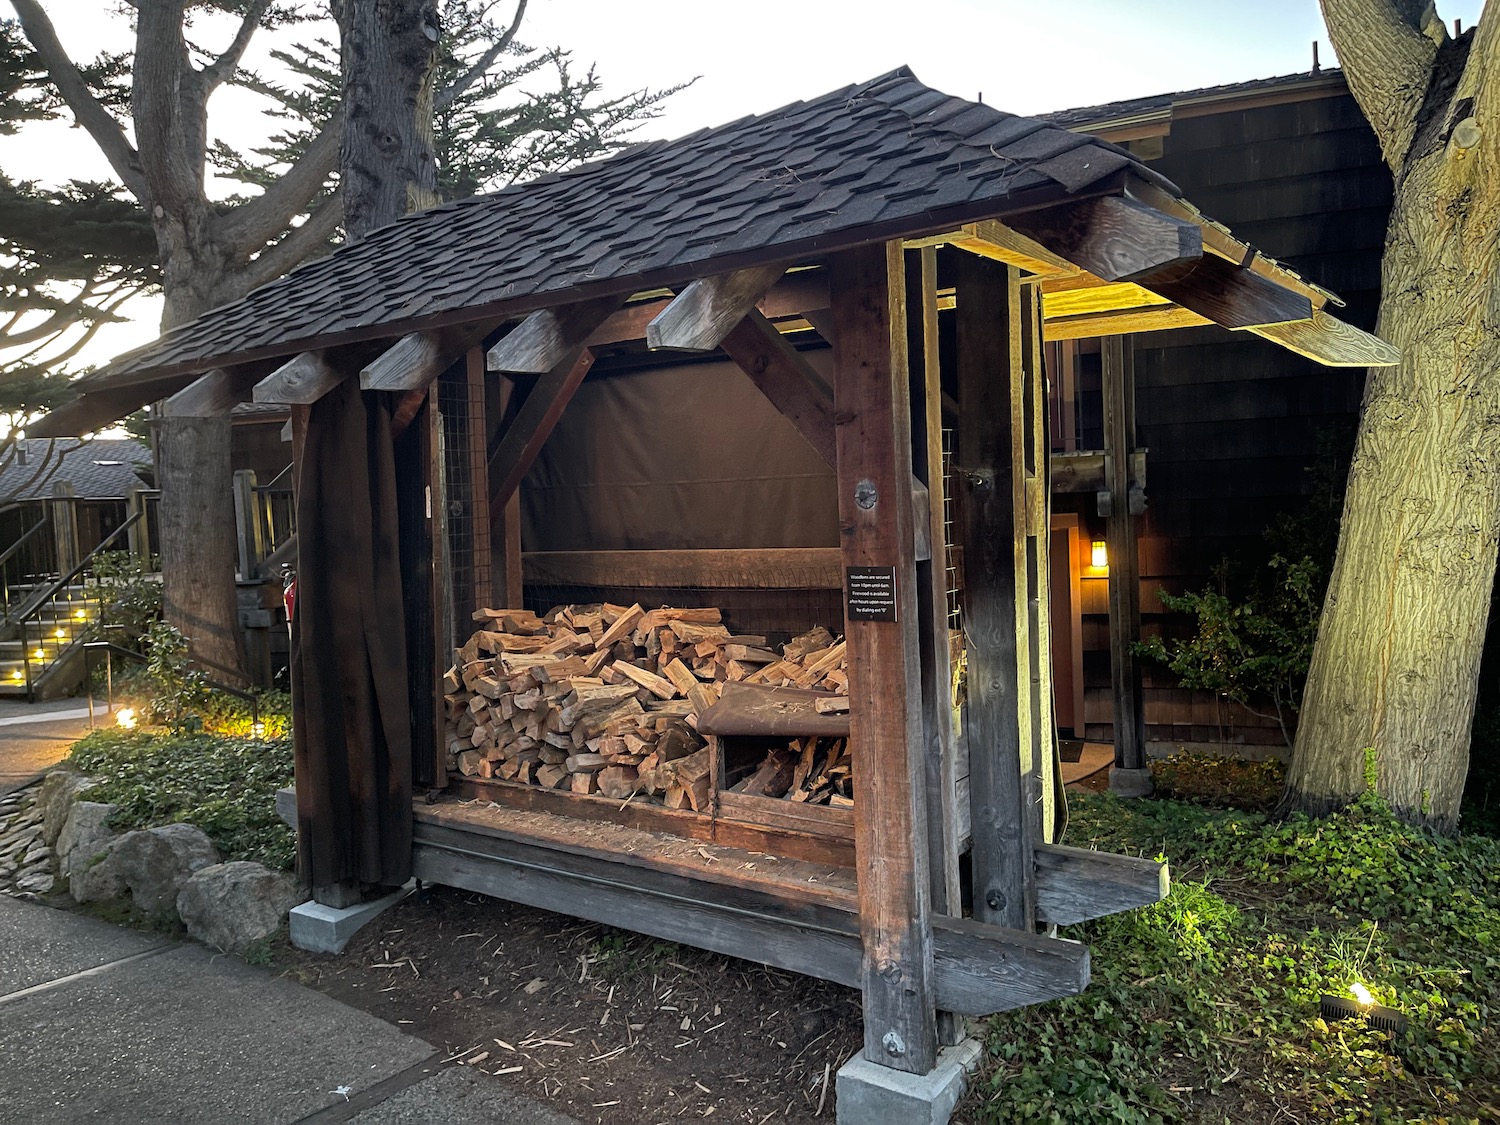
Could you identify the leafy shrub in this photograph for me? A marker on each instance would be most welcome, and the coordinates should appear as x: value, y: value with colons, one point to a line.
x: 1214, y: 780
x: 1205, y: 1007
x: 224, y: 785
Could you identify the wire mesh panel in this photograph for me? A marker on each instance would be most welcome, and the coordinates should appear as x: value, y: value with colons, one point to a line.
x: 461, y: 405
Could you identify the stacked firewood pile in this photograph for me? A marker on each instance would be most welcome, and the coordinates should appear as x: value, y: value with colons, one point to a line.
x: 811, y: 770
x: 604, y: 699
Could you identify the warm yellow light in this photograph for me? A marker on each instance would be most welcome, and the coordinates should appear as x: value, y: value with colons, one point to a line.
x: 18, y: 675
x: 1099, y: 555
x: 125, y: 717
x: 258, y: 729
x: 39, y: 654
x: 81, y: 615
x: 60, y: 634
x: 1361, y: 994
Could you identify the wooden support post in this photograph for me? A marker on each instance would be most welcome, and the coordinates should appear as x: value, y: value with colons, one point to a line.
x: 867, y: 292
x: 480, y: 547
x: 64, y: 526
x: 444, y: 628
x: 505, y: 525
x: 940, y: 746
x: 252, y: 540
x: 1129, y: 776
x: 1003, y: 771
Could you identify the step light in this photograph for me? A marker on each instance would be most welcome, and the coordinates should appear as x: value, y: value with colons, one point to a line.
x: 1362, y: 1006
x: 125, y: 718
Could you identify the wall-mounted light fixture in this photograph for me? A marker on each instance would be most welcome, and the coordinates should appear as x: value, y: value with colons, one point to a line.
x: 1099, y: 555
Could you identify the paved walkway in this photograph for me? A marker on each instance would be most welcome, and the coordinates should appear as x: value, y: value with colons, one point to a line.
x: 99, y: 1023
x: 36, y: 736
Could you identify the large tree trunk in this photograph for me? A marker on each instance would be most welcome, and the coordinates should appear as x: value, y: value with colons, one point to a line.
x: 389, y: 54
x: 1396, y: 664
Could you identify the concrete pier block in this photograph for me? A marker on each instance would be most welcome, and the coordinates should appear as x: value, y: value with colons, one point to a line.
x: 871, y: 1094
x: 323, y: 929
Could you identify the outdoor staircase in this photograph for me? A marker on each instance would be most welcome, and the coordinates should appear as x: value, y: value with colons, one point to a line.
x: 34, y: 650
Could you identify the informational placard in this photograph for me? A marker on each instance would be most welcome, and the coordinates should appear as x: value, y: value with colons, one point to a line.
x: 872, y: 593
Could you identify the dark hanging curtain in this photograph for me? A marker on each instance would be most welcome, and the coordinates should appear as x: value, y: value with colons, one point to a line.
x: 351, y: 713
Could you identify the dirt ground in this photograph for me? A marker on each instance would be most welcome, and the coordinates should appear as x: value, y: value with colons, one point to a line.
x: 608, y: 1026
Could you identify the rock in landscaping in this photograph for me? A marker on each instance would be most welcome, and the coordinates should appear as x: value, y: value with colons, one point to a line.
x: 85, y: 835
x: 55, y: 797
x: 152, y: 865
x: 232, y: 905
x: 36, y: 883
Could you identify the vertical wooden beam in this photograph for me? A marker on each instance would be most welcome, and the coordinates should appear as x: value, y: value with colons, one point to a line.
x: 247, y: 518
x: 1129, y: 776
x: 996, y: 603
x: 480, y: 548
x: 443, y: 626
x: 871, y: 390
x: 940, y: 748
x: 505, y: 531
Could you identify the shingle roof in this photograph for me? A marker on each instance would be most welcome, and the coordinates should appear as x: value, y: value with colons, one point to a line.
x: 98, y: 470
x: 1083, y: 116
x: 883, y: 158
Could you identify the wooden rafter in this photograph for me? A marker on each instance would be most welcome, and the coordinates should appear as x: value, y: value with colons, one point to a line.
x: 214, y: 394
x: 1114, y: 238
x: 709, y: 308
x: 420, y: 357
x: 299, y: 381
x: 549, y: 337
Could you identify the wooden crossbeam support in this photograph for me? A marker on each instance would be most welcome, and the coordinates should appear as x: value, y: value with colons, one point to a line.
x: 707, y: 309
x: 548, y: 337
x: 1116, y: 322
x: 785, y: 378
x: 1076, y: 884
x: 532, y: 426
x: 978, y: 969
x: 991, y: 448
x: 992, y: 239
x: 1114, y: 238
x: 420, y: 357
x: 300, y: 381
x: 212, y: 395
x: 867, y: 293
x: 1331, y: 342
x: 1084, y: 472
x: 1231, y: 295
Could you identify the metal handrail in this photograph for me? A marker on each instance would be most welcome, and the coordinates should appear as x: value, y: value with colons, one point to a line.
x: 110, y: 648
x: 270, y: 485
x: 52, y: 591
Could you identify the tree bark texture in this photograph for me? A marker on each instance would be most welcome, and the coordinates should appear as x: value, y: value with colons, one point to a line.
x: 389, y: 54
x: 1396, y: 664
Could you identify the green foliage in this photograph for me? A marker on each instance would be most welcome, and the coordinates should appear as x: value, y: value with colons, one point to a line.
x: 224, y: 785
x: 1211, y: 779
x: 1205, y: 1007
x: 129, y: 590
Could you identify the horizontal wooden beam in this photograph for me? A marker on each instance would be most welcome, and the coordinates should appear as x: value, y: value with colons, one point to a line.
x: 1076, y: 884
x: 1084, y: 472
x: 1095, y: 298
x: 992, y: 239
x: 784, y: 377
x: 548, y: 337
x: 707, y: 309
x: 1232, y: 296
x: 96, y: 410
x: 1113, y: 238
x: 1331, y: 342
x: 793, y: 568
x: 980, y: 969
x: 211, y: 395
x: 300, y: 381
x: 1116, y: 322
x: 420, y: 357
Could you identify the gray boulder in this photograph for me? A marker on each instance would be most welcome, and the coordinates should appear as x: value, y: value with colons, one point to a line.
x: 152, y: 865
x: 85, y: 835
x: 55, y: 797
x: 232, y: 905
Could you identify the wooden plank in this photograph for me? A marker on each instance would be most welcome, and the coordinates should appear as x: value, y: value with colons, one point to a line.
x: 1232, y: 296
x: 481, y: 546
x: 214, y: 394
x: 867, y: 296
x: 1113, y: 238
x: 984, y: 969
x: 1084, y: 472
x: 796, y: 568
x: 793, y: 295
x: 444, y: 629
x: 764, y: 711
x: 825, y: 820
x: 1099, y: 298
x: 532, y: 426
x: 300, y: 381
x: 785, y: 378
x: 1331, y: 342
x: 505, y: 530
x: 547, y: 338
x: 995, y: 240
x: 1152, y: 318
x: 707, y: 309
x: 1076, y: 884
x: 1124, y: 576
x: 995, y: 609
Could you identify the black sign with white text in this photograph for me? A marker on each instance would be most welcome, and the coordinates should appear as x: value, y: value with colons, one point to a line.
x: 872, y: 593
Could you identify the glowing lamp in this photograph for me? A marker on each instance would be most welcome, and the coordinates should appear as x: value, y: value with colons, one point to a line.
x: 60, y: 634
x: 39, y: 654
x: 125, y: 717
x: 81, y: 615
x: 1361, y: 994
x: 1099, y: 555
x: 258, y: 730
x: 18, y: 675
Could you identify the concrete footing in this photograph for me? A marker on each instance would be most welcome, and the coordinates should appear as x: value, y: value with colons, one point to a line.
x: 871, y: 1094
x: 324, y: 929
x: 1130, y: 783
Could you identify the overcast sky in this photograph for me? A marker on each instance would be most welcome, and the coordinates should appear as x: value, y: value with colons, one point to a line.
x: 1021, y: 55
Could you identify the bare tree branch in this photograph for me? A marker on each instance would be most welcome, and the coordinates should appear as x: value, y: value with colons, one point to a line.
x: 300, y: 244
x: 1387, y: 57
x: 456, y: 88
x: 87, y: 110
x: 255, y: 222
x: 222, y: 68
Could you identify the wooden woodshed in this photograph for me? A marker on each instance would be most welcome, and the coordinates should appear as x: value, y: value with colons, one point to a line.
x: 884, y: 263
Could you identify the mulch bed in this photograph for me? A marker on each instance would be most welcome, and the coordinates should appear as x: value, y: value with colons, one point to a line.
x: 605, y: 1025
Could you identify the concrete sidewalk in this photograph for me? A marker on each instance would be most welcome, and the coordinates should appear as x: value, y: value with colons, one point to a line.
x: 34, y: 737
x: 99, y: 1023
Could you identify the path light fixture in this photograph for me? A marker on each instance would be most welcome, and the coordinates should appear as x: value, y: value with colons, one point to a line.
x: 125, y: 718
x: 1362, y: 1006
